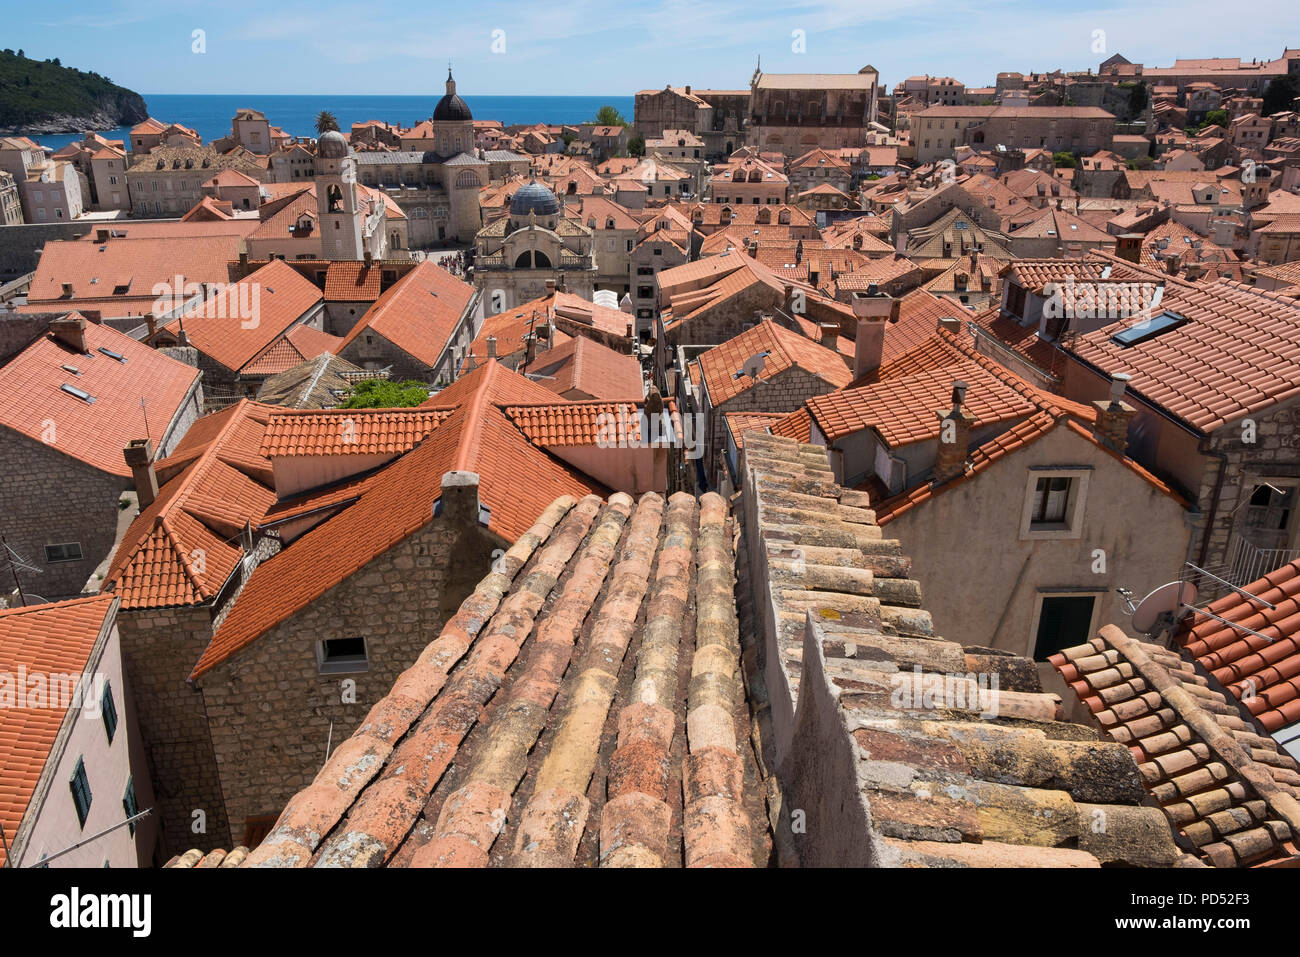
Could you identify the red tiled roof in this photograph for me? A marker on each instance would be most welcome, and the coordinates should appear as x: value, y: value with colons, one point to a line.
x: 517, y: 480
x: 56, y: 638
x: 555, y: 424
x: 1228, y: 790
x: 1237, y: 353
x: 1263, y: 675
x: 903, y: 410
x: 97, y: 271
x: 33, y: 402
x: 588, y: 367
x: 181, y: 549
x: 514, y: 696
x: 352, y: 281
x: 418, y: 313
x: 785, y: 350
x: 236, y: 326
x: 347, y: 431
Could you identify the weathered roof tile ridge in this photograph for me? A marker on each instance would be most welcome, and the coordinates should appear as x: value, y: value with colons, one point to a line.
x: 1194, y: 704
x: 473, y: 816
x: 555, y: 816
x: 314, y: 813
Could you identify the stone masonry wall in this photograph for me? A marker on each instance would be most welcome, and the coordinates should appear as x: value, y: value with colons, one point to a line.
x: 273, y: 713
x: 786, y: 392
x: 159, y: 649
x: 1275, y: 453
x: 50, y: 498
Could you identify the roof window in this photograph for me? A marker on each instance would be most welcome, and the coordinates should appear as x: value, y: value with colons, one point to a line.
x: 1149, y: 328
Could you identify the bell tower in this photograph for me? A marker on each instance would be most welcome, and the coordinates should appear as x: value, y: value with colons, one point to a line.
x: 338, y: 201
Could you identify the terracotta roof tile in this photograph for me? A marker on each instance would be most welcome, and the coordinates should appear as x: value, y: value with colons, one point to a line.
x: 1263, y: 675
x: 517, y: 480
x: 56, y: 638
x: 1234, y: 355
x: 1226, y: 788
x: 785, y: 350
x: 34, y: 403
x: 583, y: 707
x: 181, y: 549
x: 352, y: 282
x: 584, y: 365
x: 418, y: 313
x: 348, y: 431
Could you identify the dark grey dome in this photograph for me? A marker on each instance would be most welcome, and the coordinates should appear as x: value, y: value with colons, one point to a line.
x: 533, y: 197
x: 451, y: 107
x: 332, y: 145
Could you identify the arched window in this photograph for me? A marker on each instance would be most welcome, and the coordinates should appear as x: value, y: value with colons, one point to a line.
x: 467, y: 179
x: 525, y: 260
x: 541, y: 260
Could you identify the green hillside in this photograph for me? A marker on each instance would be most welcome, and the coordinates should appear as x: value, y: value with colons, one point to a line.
x: 36, y: 93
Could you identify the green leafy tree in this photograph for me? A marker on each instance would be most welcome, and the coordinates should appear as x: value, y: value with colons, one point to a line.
x: 326, y: 121
x: 609, y: 116
x: 386, y: 394
x: 1216, y: 118
x: 1064, y: 160
x: 1279, y: 94
x: 1138, y: 99
x: 636, y: 146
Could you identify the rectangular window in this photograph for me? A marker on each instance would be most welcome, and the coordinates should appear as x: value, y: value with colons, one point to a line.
x: 129, y: 805
x: 67, y: 552
x: 1051, y: 495
x: 1063, y: 622
x: 341, y: 655
x: 108, y: 710
x: 81, y: 792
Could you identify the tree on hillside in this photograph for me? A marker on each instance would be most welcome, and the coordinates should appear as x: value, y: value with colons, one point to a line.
x: 1064, y: 160
x: 636, y: 146
x: 609, y: 116
x: 326, y: 121
x: 1217, y: 118
x: 1281, y: 91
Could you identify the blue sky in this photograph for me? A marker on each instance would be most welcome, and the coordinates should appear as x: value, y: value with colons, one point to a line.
x: 612, y: 46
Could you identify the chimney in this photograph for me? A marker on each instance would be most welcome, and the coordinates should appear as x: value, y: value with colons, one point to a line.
x: 151, y: 323
x: 243, y: 263
x: 950, y: 324
x: 66, y: 289
x: 654, y: 402
x: 550, y: 287
x: 873, y: 309
x: 830, y: 335
x: 1114, y: 415
x: 459, y: 502
x: 954, y: 438
x: 814, y: 272
x: 370, y: 258
x: 491, y: 347
x: 71, y: 332
x: 139, y: 456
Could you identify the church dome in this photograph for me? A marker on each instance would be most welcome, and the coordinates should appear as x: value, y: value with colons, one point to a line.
x: 332, y: 145
x: 533, y: 197
x: 451, y: 107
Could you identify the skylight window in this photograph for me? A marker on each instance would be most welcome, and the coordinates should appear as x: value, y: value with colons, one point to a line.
x: 78, y: 393
x: 1149, y: 328
x: 112, y: 355
x: 73, y: 369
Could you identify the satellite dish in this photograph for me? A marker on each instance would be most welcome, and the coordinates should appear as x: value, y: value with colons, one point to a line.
x: 753, y: 366
x: 1168, y: 599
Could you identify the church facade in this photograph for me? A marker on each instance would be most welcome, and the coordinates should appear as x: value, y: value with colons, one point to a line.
x: 792, y: 113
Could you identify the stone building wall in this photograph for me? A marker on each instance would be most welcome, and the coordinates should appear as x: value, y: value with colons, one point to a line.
x: 159, y: 649
x: 53, y: 499
x: 273, y: 712
x: 785, y: 392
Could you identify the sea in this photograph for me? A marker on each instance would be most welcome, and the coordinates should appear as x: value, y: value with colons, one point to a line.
x: 210, y: 114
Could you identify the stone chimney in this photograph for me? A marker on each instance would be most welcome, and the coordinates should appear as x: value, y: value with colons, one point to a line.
x: 954, y: 437
x: 550, y: 287
x: 370, y: 258
x: 139, y: 456
x: 654, y: 402
x: 830, y: 334
x: 71, y: 332
x: 491, y: 347
x: 459, y: 503
x: 873, y: 310
x: 151, y: 323
x: 950, y: 324
x: 1114, y: 415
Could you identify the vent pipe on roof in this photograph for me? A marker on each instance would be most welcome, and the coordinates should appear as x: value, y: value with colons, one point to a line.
x: 139, y: 456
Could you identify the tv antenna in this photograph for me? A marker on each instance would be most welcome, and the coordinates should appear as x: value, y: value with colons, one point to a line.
x: 1160, y: 612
